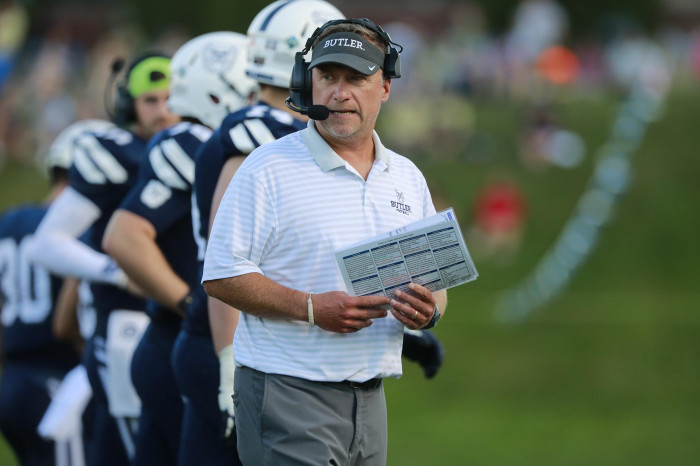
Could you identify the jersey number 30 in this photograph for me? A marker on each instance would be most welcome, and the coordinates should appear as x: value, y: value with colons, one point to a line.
x: 26, y: 288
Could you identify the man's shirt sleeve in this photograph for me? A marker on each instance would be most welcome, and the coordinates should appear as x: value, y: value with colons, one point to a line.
x: 428, y: 206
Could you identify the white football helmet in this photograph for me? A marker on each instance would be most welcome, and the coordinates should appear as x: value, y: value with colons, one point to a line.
x: 60, y: 154
x: 278, y: 32
x: 207, y: 77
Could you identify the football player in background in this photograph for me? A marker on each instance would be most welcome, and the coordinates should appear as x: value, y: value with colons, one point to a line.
x: 151, y: 238
x: 34, y: 361
x: 276, y: 33
x: 105, y: 164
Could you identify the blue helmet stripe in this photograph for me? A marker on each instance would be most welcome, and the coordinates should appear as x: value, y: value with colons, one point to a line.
x: 273, y: 13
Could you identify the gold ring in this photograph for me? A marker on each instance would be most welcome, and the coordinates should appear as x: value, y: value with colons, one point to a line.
x: 415, y: 316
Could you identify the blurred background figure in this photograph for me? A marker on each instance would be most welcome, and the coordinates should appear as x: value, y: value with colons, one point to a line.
x: 499, y: 213
x: 558, y: 65
x: 151, y: 237
x: 632, y: 56
x: 14, y: 23
x: 34, y: 360
x: 537, y: 24
x: 13, y: 28
x: 545, y: 142
x: 105, y: 165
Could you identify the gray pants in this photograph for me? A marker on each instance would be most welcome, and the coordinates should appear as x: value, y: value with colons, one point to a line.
x: 284, y: 420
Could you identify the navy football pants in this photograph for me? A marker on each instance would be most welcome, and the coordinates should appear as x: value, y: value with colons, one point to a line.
x: 158, y: 437
x: 197, y: 372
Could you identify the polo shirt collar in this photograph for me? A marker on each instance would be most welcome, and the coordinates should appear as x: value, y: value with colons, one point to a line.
x: 326, y: 157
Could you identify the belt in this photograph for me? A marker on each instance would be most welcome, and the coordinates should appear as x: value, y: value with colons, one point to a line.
x: 366, y: 385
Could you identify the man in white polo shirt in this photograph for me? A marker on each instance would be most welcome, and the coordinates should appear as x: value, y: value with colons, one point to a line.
x: 311, y: 352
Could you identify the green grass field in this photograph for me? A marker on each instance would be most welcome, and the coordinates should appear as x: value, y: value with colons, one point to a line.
x: 606, y: 373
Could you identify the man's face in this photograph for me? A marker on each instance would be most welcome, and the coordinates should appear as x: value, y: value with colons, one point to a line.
x: 152, y: 113
x: 353, y: 99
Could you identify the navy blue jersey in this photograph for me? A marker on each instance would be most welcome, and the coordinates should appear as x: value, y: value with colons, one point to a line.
x: 28, y: 294
x: 163, y: 196
x: 239, y: 134
x: 105, y: 167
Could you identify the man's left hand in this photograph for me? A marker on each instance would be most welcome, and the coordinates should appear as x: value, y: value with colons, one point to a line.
x: 414, y: 308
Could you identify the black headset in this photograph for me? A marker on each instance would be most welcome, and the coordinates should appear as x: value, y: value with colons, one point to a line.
x: 124, y: 111
x: 300, y: 93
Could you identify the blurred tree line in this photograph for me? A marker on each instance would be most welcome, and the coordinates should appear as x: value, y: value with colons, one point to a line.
x: 208, y: 15
x: 584, y: 16
x: 198, y: 17
x: 202, y: 16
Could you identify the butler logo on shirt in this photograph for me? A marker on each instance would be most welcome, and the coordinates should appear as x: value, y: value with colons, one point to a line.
x: 399, y: 205
x: 343, y: 42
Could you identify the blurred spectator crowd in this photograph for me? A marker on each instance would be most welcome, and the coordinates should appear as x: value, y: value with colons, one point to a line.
x: 53, y: 79
x: 57, y: 74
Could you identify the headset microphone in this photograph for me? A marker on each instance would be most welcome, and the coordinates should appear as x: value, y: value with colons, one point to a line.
x: 315, y: 112
x: 318, y: 112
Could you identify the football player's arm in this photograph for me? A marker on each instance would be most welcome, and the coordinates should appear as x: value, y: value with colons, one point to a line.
x: 223, y: 318
x: 225, y: 177
x: 56, y: 246
x: 131, y: 240
x: 65, y: 319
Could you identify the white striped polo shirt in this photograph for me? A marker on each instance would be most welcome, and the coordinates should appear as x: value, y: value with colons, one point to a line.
x: 290, y: 206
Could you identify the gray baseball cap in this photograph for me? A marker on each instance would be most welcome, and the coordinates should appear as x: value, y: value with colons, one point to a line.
x: 348, y: 49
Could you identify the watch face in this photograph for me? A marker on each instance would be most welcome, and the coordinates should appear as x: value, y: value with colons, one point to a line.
x: 434, y: 320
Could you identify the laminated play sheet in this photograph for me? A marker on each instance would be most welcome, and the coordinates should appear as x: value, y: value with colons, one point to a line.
x: 430, y: 252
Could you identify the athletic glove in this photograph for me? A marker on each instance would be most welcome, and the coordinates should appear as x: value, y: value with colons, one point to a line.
x: 226, y: 373
x: 423, y: 347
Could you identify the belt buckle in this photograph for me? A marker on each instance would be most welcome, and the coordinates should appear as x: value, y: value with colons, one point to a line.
x: 367, y: 384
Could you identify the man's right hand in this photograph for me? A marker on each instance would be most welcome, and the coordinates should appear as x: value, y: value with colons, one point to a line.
x: 337, y: 311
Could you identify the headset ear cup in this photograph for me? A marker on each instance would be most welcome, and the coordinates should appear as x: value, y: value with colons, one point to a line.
x: 130, y: 110
x: 392, y: 63
x: 124, y: 111
x: 307, y: 88
x: 299, y: 84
